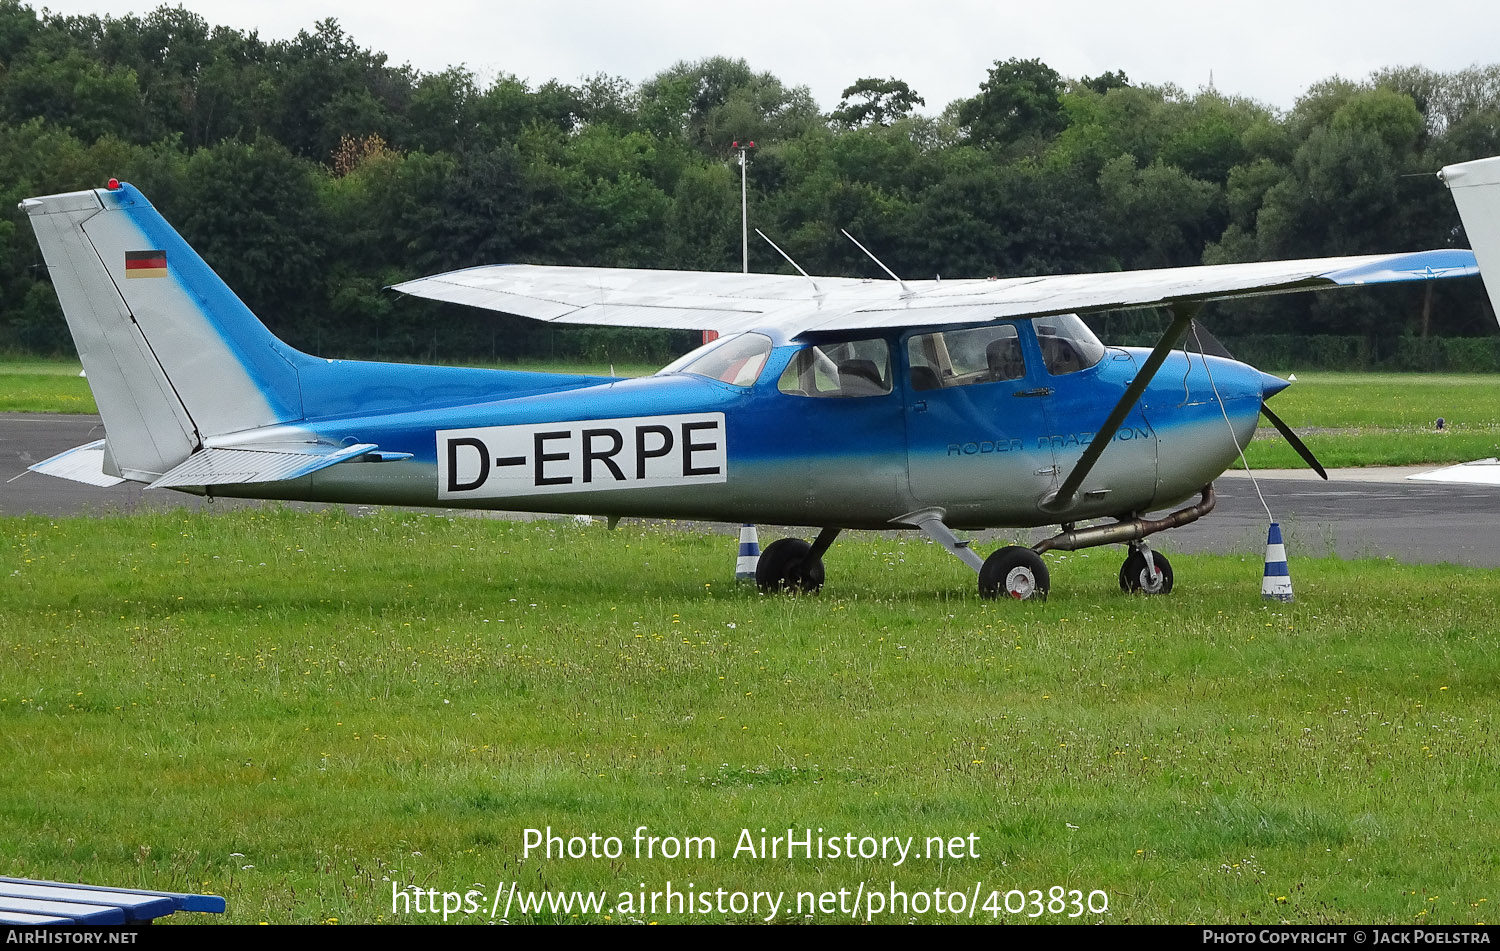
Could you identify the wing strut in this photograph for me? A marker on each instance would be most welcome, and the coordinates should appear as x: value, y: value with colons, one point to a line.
x: 1183, y: 313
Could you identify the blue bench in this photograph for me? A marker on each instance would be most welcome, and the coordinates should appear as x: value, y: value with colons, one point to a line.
x: 27, y: 902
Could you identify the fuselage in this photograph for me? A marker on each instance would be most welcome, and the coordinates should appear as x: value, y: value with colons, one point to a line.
x: 770, y: 440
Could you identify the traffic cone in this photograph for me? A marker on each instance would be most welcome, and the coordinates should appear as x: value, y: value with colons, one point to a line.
x: 1277, y: 585
x: 744, y: 566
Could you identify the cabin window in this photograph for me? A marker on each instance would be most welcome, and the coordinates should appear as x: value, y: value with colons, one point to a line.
x: 962, y: 357
x: 849, y: 368
x: 1068, y: 345
x: 735, y: 360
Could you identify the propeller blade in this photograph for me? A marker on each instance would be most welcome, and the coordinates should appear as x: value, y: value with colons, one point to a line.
x: 1296, y: 443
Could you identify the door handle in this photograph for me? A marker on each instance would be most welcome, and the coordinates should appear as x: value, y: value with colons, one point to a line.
x: 1039, y: 391
x: 920, y: 406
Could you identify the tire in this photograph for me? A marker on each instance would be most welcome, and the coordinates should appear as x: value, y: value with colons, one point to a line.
x: 785, y: 566
x: 1134, y: 577
x: 1014, y: 572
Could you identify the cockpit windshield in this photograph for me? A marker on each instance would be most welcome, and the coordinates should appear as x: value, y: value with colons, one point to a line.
x: 1068, y: 345
x: 736, y: 359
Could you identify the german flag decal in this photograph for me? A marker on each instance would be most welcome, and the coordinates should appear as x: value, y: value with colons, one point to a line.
x: 145, y: 264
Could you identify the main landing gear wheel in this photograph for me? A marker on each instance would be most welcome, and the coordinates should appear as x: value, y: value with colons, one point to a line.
x: 786, y: 565
x: 1135, y: 575
x: 1014, y: 572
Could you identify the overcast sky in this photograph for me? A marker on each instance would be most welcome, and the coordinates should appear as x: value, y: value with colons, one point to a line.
x: 1270, y: 50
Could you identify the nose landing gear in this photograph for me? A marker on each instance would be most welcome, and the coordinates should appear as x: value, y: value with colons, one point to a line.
x: 1145, y: 571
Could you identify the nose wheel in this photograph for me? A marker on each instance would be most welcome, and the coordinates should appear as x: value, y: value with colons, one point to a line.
x: 1145, y: 571
x: 1016, y: 573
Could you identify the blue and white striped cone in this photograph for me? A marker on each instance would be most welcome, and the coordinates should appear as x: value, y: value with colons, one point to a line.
x: 1277, y: 585
x: 744, y: 566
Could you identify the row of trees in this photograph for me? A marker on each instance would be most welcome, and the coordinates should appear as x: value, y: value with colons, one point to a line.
x: 312, y: 173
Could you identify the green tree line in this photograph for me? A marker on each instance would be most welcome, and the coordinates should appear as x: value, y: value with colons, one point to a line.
x: 311, y: 173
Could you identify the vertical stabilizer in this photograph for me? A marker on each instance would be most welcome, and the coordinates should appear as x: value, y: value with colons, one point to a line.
x: 1476, y: 191
x: 172, y: 355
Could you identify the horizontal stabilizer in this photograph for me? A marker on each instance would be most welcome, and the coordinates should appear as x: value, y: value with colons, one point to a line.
x: 81, y: 464
x: 235, y: 466
x: 1481, y: 472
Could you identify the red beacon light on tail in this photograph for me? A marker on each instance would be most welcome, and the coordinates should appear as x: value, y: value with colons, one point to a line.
x: 114, y: 184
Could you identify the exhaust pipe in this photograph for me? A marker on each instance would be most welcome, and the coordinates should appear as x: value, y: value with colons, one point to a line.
x: 1127, y: 530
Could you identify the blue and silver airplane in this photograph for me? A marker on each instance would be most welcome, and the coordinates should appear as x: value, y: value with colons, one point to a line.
x: 833, y: 402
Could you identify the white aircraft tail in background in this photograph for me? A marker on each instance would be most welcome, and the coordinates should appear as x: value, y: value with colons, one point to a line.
x: 1476, y: 192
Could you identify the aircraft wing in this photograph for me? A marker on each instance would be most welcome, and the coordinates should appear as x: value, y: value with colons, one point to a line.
x: 727, y: 302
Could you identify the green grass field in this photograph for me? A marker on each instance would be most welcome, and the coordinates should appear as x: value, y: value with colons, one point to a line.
x: 44, y: 386
x: 1363, y: 419
x: 297, y: 710
x: 1348, y: 419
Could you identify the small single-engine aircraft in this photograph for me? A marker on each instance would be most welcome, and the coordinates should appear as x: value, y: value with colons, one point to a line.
x: 834, y: 402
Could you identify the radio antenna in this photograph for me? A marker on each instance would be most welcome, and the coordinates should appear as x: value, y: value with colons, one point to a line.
x: 794, y: 264
x: 905, y: 291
